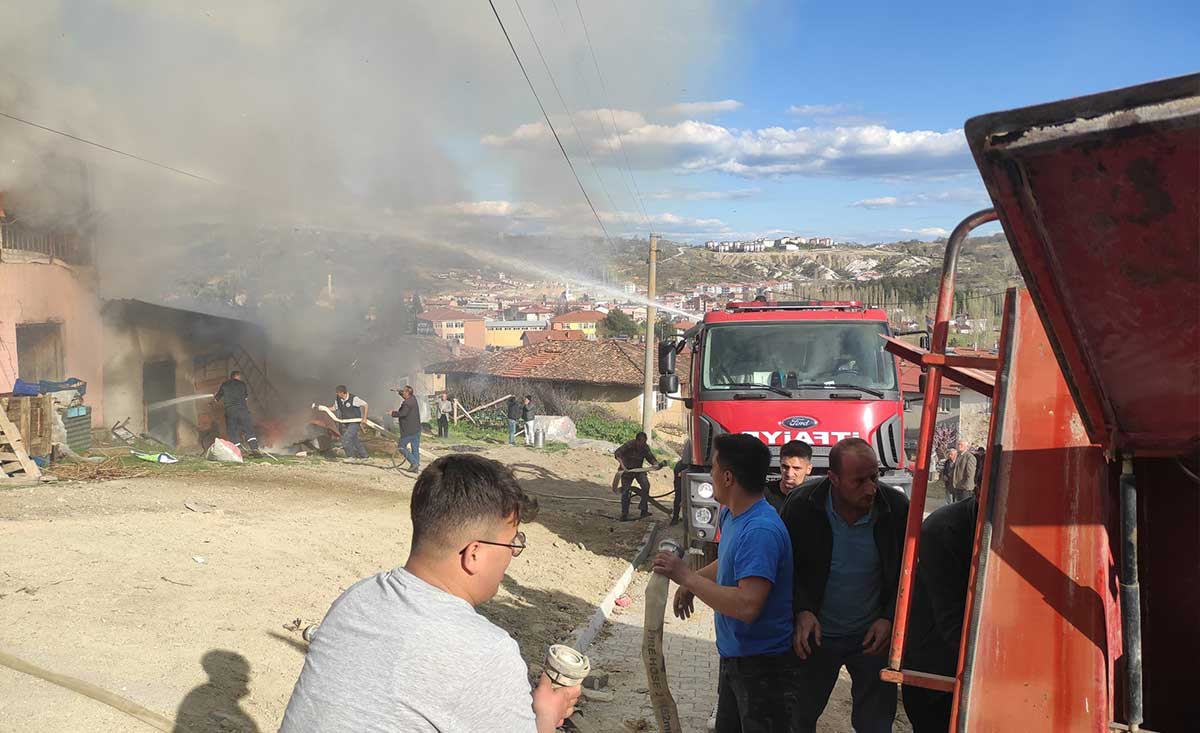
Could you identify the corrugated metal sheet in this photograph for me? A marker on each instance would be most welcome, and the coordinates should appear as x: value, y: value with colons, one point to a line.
x: 79, y: 431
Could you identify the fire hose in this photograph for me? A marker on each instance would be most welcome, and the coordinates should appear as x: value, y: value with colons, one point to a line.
x: 661, y: 700
x: 113, y: 700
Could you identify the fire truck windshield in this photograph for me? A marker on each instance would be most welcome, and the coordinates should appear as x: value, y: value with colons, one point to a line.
x: 791, y: 354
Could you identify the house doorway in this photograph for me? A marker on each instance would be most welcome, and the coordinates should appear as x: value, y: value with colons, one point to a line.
x: 40, y: 352
x: 158, y: 385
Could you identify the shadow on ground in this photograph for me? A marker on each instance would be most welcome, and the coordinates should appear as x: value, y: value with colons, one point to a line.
x: 214, y: 706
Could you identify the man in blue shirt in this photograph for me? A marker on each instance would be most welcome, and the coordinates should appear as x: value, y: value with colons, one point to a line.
x: 750, y: 588
x: 847, y: 534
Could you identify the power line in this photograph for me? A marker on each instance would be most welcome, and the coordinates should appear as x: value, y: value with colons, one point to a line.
x: 621, y: 172
x: 553, y: 131
x: 608, y: 104
x: 68, y: 135
x: 561, y: 100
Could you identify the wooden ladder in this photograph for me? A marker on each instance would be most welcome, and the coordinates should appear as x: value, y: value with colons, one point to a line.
x: 14, y: 460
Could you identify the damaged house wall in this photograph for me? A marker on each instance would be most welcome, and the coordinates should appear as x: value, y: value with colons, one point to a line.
x: 154, y: 353
x: 43, y: 292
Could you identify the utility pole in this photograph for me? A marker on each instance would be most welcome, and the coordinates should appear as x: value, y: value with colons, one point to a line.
x: 651, y: 316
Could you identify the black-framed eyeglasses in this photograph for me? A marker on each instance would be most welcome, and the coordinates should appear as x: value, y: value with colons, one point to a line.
x: 517, y: 547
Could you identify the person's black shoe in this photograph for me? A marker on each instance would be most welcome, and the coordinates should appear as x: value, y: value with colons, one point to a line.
x: 643, y: 515
x: 626, y: 518
x: 674, y: 521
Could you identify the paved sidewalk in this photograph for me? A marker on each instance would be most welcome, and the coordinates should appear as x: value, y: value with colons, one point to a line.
x: 691, y: 657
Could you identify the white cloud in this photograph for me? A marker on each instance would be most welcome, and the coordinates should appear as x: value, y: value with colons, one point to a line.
x: 510, y: 209
x: 928, y: 232
x: 531, y: 214
x: 856, y: 151
x: 816, y: 110
x: 701, y: 109
x: 964, y: 195
x: 732, y: 195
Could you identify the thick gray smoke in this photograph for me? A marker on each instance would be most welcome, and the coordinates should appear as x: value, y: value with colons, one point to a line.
x: 342, y: 139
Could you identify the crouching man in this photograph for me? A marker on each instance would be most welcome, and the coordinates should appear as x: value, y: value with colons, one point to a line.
x: 405, y: 650
x: 750, y: 589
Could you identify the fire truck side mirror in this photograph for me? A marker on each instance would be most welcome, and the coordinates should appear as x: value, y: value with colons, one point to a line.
x: 922, y: 379
x: 924, y: 342
x: 666, y: 357
x: 668, y: 384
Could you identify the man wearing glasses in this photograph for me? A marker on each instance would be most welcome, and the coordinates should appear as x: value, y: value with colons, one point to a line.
x: 406, y: 650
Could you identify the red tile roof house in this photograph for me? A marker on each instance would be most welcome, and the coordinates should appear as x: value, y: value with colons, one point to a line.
x: 605, y: 373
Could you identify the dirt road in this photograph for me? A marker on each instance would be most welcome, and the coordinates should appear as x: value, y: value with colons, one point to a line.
x: 119, y: 584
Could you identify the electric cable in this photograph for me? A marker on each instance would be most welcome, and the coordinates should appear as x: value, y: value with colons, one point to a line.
x: 546, y: 115
x: 608, y: 105
x: 566, y: 107
x: 85, y: 141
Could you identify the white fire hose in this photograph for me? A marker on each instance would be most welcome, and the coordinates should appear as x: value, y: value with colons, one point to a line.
x: 335, y: 418
x: 665, y: 711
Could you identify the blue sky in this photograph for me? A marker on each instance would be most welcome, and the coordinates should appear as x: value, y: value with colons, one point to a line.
x: 844, y: 119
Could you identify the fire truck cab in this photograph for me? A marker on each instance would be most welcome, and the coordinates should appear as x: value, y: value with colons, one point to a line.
x: 814, y: 371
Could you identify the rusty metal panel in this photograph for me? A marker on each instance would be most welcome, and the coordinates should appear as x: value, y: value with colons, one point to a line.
x: 1100, y: 199
x: 1036, y: 653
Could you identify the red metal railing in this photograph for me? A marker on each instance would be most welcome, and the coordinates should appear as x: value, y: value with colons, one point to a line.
x: 937, y: 363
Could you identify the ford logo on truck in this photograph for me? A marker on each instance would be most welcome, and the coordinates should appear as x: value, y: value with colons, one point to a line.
x: 798, y: 421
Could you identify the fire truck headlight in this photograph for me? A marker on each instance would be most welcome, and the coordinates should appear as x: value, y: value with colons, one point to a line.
x: 703, y: 515
x: 705, y: 490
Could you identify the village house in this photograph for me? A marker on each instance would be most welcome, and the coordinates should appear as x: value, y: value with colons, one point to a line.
x: 453, y: 325
x: 508, y: 334
x: 606, y: 373
x: 586, y: 321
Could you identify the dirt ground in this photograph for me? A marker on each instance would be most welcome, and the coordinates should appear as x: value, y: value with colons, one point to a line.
x: 193, y: 614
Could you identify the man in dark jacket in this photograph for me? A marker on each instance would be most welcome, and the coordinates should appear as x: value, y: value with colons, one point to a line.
x: 939, y: 602
x: 847, y: 533
x: 409, y: 416
x: 795, y: 466
x: 232, y: 394
x: 514, y: 418
x: 630, y: 456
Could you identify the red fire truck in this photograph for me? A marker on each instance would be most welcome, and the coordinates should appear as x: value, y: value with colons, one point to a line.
x: 814, y: 371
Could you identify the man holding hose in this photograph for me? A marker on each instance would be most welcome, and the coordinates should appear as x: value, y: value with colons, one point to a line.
x: 750, y: 589
x: 405, y: 650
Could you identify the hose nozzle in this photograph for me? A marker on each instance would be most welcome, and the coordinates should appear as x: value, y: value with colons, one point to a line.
x: 566, y: 667
x: 670, y: 545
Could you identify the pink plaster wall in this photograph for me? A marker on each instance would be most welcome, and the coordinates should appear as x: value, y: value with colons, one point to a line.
x: 37, y: 293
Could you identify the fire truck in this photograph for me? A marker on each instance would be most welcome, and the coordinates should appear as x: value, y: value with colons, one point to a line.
x: 814, y: 371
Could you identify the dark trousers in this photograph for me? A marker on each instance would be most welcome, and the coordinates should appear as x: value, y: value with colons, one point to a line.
x: 443, y: 426
x: 758, y: 694
x: 238, y: 423
x: 643, y: 481
x: 928, y: 710
x: 874, y: 700
x: 351, y: 442
x: 410, y: 447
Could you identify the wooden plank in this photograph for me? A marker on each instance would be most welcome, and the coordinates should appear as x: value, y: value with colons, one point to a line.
x: 8, y: 457
x: 10, y: 432
x: 24, y: 425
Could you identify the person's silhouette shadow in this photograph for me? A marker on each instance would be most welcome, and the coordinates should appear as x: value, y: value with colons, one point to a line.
x: 213, y: 707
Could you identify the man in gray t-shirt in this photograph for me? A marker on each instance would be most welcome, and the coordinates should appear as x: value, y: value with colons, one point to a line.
x: 405, y: 650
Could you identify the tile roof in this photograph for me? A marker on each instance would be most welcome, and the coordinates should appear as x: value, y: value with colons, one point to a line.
x: 562, y: 334
x: 606, y: 361
x: 448, y: 314
x: 579, y: 317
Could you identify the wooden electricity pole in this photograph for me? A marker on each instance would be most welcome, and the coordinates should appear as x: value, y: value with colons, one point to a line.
x: 651, y: 317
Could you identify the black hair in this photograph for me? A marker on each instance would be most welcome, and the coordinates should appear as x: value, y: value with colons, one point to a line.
x: 342, y: 388
x: 529, y: 397
x: 746, y: 457
x: 796, y: 449
x: 640, y: 436
x: 460, y: 490
x: 844, y: 445
x: 235, y: 374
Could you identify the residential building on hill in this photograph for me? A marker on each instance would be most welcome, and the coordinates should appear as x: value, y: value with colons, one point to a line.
x: 453, y: 325
x: 586, y: 321
x: 507, y: 334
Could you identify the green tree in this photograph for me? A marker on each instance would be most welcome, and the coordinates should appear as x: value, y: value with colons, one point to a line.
x: 618, y: 323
